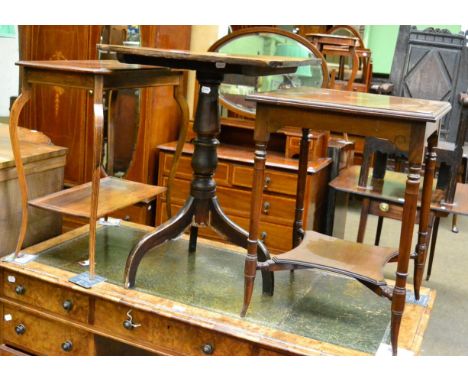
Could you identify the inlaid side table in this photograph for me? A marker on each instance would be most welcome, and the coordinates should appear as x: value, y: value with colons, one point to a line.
x: 408, y: 123
x: 100, y: 197
x: 202, y: 207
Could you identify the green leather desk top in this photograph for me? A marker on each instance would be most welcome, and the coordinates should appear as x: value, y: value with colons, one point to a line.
x: 312, y: 304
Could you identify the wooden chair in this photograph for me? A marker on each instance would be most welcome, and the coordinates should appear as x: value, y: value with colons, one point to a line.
x: 421, y: 56
x: 449, y: 161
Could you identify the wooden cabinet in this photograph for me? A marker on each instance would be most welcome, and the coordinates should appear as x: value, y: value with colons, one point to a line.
x: 234, y: 183
x: 65, y: 115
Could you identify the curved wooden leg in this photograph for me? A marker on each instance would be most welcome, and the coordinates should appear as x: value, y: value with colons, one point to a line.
x: 238, y: 236
x: 435, y: 231
x: 166, y: 231
x: 250, y: 267
x: 15, y: 112
x: 96, y: 174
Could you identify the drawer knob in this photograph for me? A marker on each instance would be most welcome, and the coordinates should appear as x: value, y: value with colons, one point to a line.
x: 20, y: 329
x: 267, y: 182
x: 128, y: 323
x: 384, y: 207
x: 68, y: 305
x: 207, y: 348
x: 266, y: 208
x: 263, y: 236
x: 67, y: 346
x: 20, y: 290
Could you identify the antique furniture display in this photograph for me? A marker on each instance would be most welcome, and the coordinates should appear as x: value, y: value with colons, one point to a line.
x: 45, y: 314
x: 66, y: 114
x: 407, y: 123
x: 202, y: 207
x: 448, y: 164
x: 86, y: 200
x: 44, y: 166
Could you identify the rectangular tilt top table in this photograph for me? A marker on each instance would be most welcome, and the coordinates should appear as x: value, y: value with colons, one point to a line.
x: 202, y: 207
x: 408, y: 123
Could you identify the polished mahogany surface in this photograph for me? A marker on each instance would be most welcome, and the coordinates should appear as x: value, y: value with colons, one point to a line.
x: 85, y: 66
x: 362, y: 103
x: 189, y: 59
x: 364, y: 262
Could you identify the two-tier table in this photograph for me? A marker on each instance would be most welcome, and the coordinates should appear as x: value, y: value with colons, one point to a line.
x: 408, y: 123
x: 100, y: 197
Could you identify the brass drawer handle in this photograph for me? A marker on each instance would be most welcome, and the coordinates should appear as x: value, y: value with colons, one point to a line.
x: 266, y: 208
x: 207, y: 349
x: 20, y: 290
x: 67, y: 346
x: 263, y: 236
x: 20, y: 329
x: 384, y: 207
x: 267, y: 182
x: 68, y: 305
x: 128, y: 323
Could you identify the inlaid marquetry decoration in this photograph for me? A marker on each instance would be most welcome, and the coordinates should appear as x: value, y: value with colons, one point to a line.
x: 58, y: 90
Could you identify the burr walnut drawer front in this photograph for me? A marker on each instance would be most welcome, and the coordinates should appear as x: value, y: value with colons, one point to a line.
x: 43, y: 336
x: 274, y: 181
x: 276, y: 209
x: 44, y: 295
x: 165, y: 335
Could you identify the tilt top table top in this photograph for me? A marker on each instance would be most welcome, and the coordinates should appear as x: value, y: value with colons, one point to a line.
x: 202, y: 207
x: 408, y: 123
x: 95, y: 76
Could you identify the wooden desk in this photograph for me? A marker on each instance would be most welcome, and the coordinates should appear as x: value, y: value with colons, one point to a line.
x: 95, y: 76
x: 194, y: 313
x: 405, y: 122
x: 202, y: 207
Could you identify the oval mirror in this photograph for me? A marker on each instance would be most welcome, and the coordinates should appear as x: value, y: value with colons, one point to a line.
x: 267, y: 42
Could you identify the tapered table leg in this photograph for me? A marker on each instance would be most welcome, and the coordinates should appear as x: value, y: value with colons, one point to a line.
x: 423, y: 235
x: 435, y: 232
x: 15, y: 112
x: 96, y: 174
x: 250, y: 267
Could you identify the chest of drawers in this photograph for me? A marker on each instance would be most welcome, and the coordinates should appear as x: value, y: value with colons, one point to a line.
x: 234, y: 184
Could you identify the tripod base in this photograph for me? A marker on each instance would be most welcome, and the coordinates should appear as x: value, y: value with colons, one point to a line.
x: 179, y: 223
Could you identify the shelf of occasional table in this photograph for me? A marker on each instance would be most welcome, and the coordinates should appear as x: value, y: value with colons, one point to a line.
x: 114, y: 194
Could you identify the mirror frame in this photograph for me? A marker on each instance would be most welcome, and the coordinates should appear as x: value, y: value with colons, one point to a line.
x: 248, y: 31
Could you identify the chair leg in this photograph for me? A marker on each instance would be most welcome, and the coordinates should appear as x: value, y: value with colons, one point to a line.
x: 379, y: 230
x: 454, y: 223
x: 363, y: 219
x: 435, y: 231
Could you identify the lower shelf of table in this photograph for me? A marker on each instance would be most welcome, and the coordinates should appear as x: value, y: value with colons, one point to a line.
x: 114, y: 194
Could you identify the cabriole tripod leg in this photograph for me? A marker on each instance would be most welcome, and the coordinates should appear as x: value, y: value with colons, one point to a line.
x: 15, y: 112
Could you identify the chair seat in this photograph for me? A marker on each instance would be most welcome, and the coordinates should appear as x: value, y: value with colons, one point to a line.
x: 360, y: 261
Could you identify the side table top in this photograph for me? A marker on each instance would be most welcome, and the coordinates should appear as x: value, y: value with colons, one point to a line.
x: 224, y: 63
x: 87, y: 66
x: 355, y: 103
